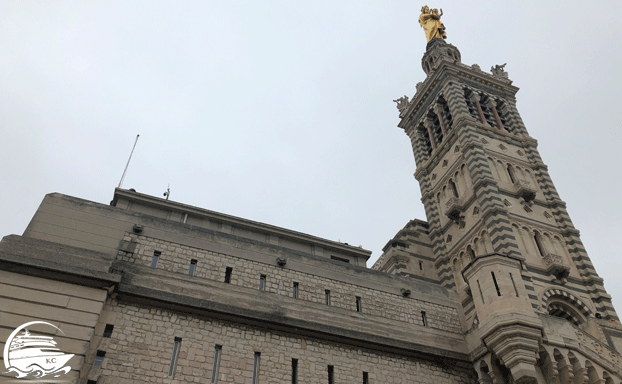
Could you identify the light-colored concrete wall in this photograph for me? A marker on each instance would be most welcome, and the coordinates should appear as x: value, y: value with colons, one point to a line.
x: 72, y: 308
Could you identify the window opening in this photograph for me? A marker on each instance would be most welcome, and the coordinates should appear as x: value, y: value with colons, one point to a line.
x: 331, y: 374
x: 108, y: 330
x: 327, y: 297
x: 262, y: 282
x: 514, y: 284
x: 156, y: 257
x: 475, y: 211
x: 185, y: 218
x: 511, y: 173
x: 539, y: 244
x: 256, y: 368
x: 449, y: 239
x: 294, y: 371
x: 99, y: 359
x: 228, y: 272
x: 295, y: 291
x: 454, y: 190
x: 494, y: 279
x: 358, y: 304
x: 507, y: 203
x: 480, y: 292
x: 444, y: 163
x: 471, y: 252
x: 421, y: 266
x: 340, y: 259
x: 193, y: 267
x: 365, y: 378
x: 217, y: 352
x: 176, y: 346
x: 424, y: 319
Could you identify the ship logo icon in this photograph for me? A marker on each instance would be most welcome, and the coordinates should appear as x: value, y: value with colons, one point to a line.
x: 28, y: 355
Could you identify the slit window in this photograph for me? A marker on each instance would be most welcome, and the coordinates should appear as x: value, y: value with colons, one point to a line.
x: 295, y: 291
x: 99, y: 358
x: 494, y: 279
x: 256, y: 368
x: 228, y: 272
x: 454, y: 190
x: 480, y: 292
x: 156, y: 257
x: 217, y: 352
x: 514, y: 284
x: 327, y: 297
x: 421, y: 264
x: 108, y: 330
x: 359, y: 308
x: 176, y: 346
x: 262, y: 282
x: 294, y: 371
x: 424, y: 319
x: 193, y: 267
x: 365, y: 378
x: 538, y: 240
x: 511, y: 174
x: 331, y: 374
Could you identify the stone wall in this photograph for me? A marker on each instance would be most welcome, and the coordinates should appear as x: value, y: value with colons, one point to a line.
x: 141, y: 346
x: 176, y: 258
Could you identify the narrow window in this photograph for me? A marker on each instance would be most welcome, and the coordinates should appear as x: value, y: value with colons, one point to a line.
x: 358, y: 304
x: 327, y: 297
x: 156, y: 257
x: 217, y: 352
x: 480, y: 292
x: 256, y: 368
x: 538, y: 241
x: 424, y: 319
x: 184, y: 219
x: 91, y: 382
x: 511, y: 173
x: 365, y: 374
x: 262, y: 282
x: 228, y: 272
x: 494, y: 279
x: 514, y: 284
x: 471, y: 252
x: 108, y: 330
x: 454, y: 190
x: 295, y: 291
x: 294, y: 371
x: 340, y: 259
x: 193, y: 267
x: 176, y: 346
x: 421, y: 263
x: 99, y: 359
x: 331, y: 374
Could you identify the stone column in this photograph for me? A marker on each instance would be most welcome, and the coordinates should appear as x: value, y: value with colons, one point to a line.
x: 493, y: 105
x: 438, y: 109
x: 428, y: 124
x: 475, y: 99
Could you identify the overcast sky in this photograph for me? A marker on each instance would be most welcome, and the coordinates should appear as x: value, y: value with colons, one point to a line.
x: 281, y: 111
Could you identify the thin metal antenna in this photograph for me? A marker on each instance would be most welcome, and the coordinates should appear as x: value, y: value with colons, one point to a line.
x: 168, y: 191
x: 128, y: 161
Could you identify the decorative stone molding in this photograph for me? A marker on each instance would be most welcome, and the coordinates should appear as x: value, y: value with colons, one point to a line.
x: 555, y: 266
x: 524, y: 190
x: 453, y: 208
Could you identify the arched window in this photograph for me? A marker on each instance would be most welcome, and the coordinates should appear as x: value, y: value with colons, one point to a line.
x: 511, y: 173
x: 471, y: 252
x: 539, y: 244
x: 452, y: 185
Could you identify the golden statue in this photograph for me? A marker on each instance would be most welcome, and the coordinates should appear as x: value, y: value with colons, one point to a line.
x: 430, y: 21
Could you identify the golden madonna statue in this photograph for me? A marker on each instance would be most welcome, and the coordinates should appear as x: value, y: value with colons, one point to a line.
x: 430, y: 21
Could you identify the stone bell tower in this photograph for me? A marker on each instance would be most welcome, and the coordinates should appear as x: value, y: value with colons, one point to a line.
x: 500, y: 234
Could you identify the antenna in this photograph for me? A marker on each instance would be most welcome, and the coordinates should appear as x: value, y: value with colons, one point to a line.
x: 168, y: 191
x: 128, y: 161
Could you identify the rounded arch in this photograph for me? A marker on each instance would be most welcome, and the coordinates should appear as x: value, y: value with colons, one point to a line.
x: 564, y: 304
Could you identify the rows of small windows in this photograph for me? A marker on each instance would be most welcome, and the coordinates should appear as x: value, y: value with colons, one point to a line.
x: 511, y: 173
x: 262, y: 281
x: 218, y: 352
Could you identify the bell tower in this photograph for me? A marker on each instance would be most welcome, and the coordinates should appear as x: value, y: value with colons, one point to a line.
x: 499, y: 233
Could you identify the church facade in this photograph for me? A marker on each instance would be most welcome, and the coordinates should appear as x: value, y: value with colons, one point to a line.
x: 495, y: 287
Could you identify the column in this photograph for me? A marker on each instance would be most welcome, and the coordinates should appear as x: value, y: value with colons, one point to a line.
x: 493, y: 105
x: 475, y: 98
x: 428, y: 124
x: 438, y: 109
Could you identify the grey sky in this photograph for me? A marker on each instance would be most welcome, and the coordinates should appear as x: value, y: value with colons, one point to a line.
x: 281, y: 111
